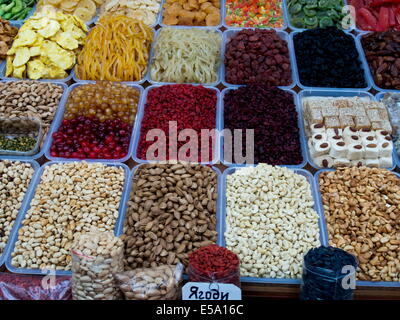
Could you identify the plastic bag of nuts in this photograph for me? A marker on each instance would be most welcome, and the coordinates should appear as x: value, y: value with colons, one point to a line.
x: 96, y: 258
x: 158, y: 283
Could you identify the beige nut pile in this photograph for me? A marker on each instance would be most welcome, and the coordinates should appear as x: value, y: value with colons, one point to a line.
x: 158, y: 283
x: 270, y: 221
x: 362, y: 209
x: 172, y: 212
x: 96, y: 258
x: 71, y: 198
x: 30, y: 99
x: 15, y: 177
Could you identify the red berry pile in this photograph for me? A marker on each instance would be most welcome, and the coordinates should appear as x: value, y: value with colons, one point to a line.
x: 192, y: 107
x: 88, y: 137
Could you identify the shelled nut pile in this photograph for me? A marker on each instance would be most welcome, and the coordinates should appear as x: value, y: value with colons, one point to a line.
x: 30, y: 99
x: 270, y: 221
x: 71, y: 198
x: 362, y: 209
x: 158, y: 283
x: 96, y: 258
x: 172, y: 212
x: 15, y: 177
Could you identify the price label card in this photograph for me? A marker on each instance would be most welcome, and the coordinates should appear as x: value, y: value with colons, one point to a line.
x: 210, y: 291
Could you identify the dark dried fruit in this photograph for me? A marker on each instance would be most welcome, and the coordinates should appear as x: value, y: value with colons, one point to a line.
x: 271, y: 112
x: 257, y: 56
x: 382, y: 50
x: 328, y: 58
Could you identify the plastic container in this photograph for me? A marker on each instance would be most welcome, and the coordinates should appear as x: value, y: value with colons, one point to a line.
x: 34, y: 129
x: 127, y: 194
x: 58, y: 113
x: 140, y: 115
x: 300, y: 122
x: 219, y: 71
x: 361, y: 57
x: 321, y: 222
x: 161, y: 17
x: 327, y: 93
x: 144, y: 78
x: 370, y: 75
x: 303, y: 29
x: 320, y: 283
x: 285, y: 20
x: 320, y: 204
x: 14, y: 229
x: 228, y: 34
x: 396, y: 157
x: 26, y: 205
x: 60, y: 118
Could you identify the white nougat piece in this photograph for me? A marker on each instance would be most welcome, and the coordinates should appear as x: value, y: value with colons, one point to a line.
x: 350, y: 131
x: 371, y: 151
x: 385, y: 149
x: 356, y: 152
x: 386, y: 162
x: 372, y: 163
x: 357, y: 163
x: 322, y: 148
x: 338, y: 150
x: 330, y: 132
x: 324, y: 161
x: 341, y: 162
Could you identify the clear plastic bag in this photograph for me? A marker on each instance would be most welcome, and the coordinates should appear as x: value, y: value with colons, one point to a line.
x: 158, y: 283
x: 34, y: 287
x: 96, y: 257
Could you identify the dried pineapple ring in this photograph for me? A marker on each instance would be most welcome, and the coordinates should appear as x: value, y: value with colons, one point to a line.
x: 68, y: 5
x: 83, y: 14
x: 89, y: 5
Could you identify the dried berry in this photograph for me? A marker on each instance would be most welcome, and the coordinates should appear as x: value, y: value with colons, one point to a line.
x: 192, y: 107
x: 271, y: 112
x: 382, y: 50
x: 328, y: 58
x: 257, y: 56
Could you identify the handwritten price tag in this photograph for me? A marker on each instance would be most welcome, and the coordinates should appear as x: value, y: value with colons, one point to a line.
x: 210, y: 291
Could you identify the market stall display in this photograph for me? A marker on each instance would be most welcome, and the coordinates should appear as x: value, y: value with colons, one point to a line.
x: 272, y: 114
x: 382, y: 51
x: 116, y: 49
x: 347, y: 131
x: 258, y: 56
x: 45, y: 47
x: 7, y: 35
x: 270, y: 220
x: 195, y: 83
x: 63, y: 198
x: 171, y: 212
x: 192, y: 12
x: 145, y: 10
x: 16, y: 9
x: 361, y: 207
x: 83, y: 9
x: 328, y: 57
x: 98, y: 122
x: 254, y: 13
x: 313, y: 14
x: 186, y: 55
